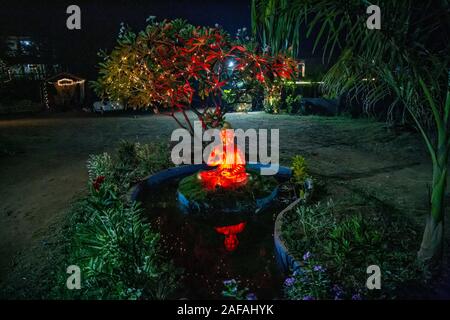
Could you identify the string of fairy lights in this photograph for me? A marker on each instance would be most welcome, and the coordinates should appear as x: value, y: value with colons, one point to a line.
x: 65, y: 82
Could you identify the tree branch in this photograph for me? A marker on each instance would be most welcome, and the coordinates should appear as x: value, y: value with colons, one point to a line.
x: 172, y: 115
x: 186, y: 118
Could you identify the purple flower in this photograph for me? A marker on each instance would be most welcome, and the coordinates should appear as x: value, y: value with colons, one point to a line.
x: 308, y: 298
x: 307, y: 255
x: 231, y: 282
x: 289, y: 281
x: 338, y: 292
x: 251, y: 296
x: 356, y: 296
x: 319, y: 268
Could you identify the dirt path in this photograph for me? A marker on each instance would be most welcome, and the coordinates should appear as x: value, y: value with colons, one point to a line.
x: 44, y: 168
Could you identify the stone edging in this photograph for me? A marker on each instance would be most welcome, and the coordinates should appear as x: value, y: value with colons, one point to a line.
x: 284, y: 258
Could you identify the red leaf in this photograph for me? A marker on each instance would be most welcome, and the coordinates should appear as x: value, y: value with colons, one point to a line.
x: 239, y: 48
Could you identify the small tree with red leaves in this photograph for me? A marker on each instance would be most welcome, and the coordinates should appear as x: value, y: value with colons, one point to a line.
x: 172, y: 66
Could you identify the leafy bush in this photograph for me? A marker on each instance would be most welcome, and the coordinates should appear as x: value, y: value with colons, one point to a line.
x: 232, y: 291
x: 129, y: 164
x: 311, y: 221
x: 348, y: 237
x: 272, y: 105
x: 282, y: 97
x: 117, y: 251
x: 273, y: 99
x: 300, y: 178
x: 152, y: 158
x: 100, y: 165
x: 238, y: 101
x: 293, y: 103
x: 299, y: 173
x: 127, y: 153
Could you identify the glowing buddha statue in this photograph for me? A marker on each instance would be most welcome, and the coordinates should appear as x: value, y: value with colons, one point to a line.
x: 230, y: 162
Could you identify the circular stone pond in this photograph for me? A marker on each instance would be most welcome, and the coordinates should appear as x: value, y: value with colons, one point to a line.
x: 217, y: 244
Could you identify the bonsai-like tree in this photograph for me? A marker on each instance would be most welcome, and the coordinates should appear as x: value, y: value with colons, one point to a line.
x: 172, y: 66
x: 407, y: 60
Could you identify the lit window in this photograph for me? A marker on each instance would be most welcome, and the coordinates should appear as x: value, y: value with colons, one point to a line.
x: 25, y: 43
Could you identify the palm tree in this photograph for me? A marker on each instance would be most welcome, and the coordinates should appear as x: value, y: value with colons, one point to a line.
x: 407, y: 60
x: 277, y: 33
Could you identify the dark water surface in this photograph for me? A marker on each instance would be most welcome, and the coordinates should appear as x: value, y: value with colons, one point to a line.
x: 194, y: 244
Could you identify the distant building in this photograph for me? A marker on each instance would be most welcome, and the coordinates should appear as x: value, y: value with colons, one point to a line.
x: 64, y: 91
x: 29, y: 58
x: 25, y: 64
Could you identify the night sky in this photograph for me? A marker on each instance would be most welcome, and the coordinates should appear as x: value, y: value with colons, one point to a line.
x: 101, y: 22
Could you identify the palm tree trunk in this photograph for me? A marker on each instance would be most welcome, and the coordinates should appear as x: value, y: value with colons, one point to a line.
x: 431, y: 248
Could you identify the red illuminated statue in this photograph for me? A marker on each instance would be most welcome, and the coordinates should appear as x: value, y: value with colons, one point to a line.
x: 230, y: 162
x: 231, y: 241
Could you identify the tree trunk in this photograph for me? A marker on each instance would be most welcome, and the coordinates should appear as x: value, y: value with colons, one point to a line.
x: 431, y: 249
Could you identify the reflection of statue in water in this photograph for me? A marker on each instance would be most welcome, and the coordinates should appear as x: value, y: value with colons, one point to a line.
x: 230, y: 162
x: 231, y: 241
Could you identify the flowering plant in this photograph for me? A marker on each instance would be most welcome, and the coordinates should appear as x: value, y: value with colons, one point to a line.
x: 232, y: 291
x: 309, y: 282
x: 98, y: 182
x: 170, y: 63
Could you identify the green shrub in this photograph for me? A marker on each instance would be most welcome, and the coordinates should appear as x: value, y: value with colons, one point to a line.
x: 271, y: 106
x: 233, y: 291
x: 100, y: 165
x: 311, y: 221
x: 129, y: 164
x: 282, y: 97
x: 299, y: 173
x: 152, y: 158
x: 293, y: 103
x: 301, y: 180
x: 272, y: 99
x: 349, y: 236
x: 127, y: 154
x: 117, y: 251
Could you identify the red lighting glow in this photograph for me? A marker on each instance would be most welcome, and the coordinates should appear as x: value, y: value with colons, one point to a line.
x: 231, y: 241
x: 230, y: 171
